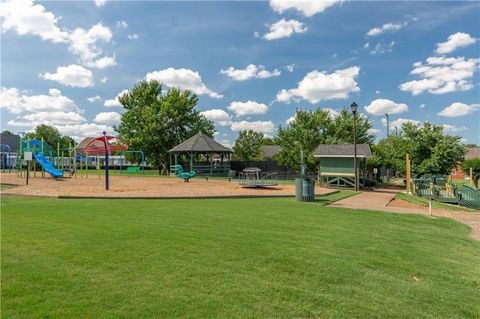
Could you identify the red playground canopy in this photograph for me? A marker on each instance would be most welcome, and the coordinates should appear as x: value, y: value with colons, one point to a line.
x: 105, y: 144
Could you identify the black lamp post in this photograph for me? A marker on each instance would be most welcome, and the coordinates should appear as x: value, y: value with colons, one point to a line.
x: 107, y: 186
x: 354, y: 107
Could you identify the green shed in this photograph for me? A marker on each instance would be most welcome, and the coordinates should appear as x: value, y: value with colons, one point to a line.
x: 337, y: 164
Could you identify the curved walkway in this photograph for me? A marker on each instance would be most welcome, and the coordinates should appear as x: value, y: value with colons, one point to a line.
x: 379, y: 200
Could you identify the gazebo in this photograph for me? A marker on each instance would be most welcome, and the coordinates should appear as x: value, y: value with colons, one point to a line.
x: 336, y: 163
x: 204, y: 155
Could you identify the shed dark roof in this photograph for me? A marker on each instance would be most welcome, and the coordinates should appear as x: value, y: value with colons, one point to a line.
x: 346, y: 150
x: 200, y: 143
x: 269, y: 151
x: 12, y: 140
x: 473, y: 152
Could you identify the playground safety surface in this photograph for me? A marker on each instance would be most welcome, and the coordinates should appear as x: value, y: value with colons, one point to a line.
x: 142, y: 187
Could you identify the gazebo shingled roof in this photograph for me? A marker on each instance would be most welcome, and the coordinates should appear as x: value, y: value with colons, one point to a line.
x: 200, y: 143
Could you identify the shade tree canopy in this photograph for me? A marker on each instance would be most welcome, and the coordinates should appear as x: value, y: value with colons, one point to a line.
x: 431, y: 150
x: 155, y: 121
x: 312, y: 128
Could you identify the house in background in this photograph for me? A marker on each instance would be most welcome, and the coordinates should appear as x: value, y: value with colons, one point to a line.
x: 457, y: 172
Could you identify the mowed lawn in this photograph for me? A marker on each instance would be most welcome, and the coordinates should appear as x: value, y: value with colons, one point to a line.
x: 245, y: 258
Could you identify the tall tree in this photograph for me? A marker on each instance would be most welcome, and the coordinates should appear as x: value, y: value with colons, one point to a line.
x: 307, y: 131
x: 51, y: 136
x: 155, y: 123
x: 473, y: 164
x: 431, y: 151
x: 340, y: 130
x: 7, y: 133
x: 311, y: 128
x: 248, y: 145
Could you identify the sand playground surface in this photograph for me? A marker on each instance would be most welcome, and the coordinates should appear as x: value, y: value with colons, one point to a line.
x: 141, y: 187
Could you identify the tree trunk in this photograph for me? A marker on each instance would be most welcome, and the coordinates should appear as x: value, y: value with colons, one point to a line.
x: 475, y: 181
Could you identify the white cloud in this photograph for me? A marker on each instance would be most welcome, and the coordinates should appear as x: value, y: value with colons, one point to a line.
x: 333, y: 114
x: 366, y: 45
x: 382, y: 47
x: 83, y: 43
x: 14, y: 102
x: 218, y: 116
x: 100, y: 3
x: 258, y: 126
x: 399, y: 122
x: 132, y: 36
x: 377, y: 92
x: 452, y: 129
x: 104, y: 80
x: 94, y: 98
x: 27, y: 18
x: 52, y: 118
x: 290, y: 67
x: 226, y: 142
x: 71, y: 75
x: 290, y: 120
x: 122, y: 24
x: 109, y: 118
x: 442, y: 75
x: 455, y: 41
x: 307, y: 7
x: 251, y: 71
x: 388, y: 27
x: 115, y: 102
x: 247, y: 108
x: 102, y: 62
x: 80, y: 131
x: 459, y: 109
x: 318, y: 86
x: 185, y: 79
x: 382, y: 106
x: 422, y: 105
x: 284, y: 29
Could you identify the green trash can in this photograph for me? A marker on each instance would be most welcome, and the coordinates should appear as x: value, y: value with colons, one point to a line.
x: 308, y: 193
x: 304, y: 190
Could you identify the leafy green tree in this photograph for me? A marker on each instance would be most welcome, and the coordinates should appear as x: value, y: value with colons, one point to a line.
x: 154, y: 123
x: 7, y: 133
x: 474, y: 164
x: 431, y: 151
x: 340, y: 130
x: 51, y: 136
x: 311, y: 128
x: 248, y: 145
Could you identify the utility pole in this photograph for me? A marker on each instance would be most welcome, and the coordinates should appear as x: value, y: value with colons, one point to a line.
x: 388, y: 124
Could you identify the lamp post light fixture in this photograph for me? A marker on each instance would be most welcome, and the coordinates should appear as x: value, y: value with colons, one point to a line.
x: 354, y: 107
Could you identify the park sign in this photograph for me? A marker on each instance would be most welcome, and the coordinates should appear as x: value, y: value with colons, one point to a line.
x: 27, y: 156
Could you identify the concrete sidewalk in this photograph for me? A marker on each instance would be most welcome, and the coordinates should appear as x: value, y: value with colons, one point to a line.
x: 379, y: 200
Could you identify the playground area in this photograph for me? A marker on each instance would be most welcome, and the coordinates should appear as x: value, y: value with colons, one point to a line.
x: 141, y: 187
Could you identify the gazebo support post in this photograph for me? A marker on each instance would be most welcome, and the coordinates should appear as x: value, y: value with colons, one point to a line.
x: 191, y: 160
x: 211, y: 164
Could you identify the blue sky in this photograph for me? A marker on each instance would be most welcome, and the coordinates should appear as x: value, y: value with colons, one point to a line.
x: 251, y: 63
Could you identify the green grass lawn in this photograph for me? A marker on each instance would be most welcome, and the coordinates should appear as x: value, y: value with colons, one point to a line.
x: 424, y: 202
x: 242, y: 258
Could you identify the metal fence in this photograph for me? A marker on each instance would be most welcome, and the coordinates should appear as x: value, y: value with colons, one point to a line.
x: 438, y: 188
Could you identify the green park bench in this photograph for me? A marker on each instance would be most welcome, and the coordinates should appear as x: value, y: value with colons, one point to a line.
x: 132, y: 169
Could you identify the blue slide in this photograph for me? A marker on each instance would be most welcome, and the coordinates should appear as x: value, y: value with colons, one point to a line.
x: 46, y: 165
